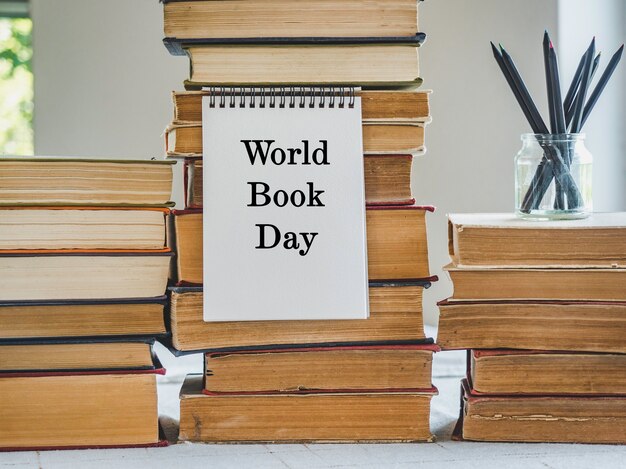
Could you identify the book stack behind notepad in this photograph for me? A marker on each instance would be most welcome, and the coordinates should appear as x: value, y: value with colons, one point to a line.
x: 308, y: 380
x: 83, y: 268
x: 541, y: 308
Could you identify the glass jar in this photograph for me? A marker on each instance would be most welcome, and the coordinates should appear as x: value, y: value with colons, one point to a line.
x: 553, y: 177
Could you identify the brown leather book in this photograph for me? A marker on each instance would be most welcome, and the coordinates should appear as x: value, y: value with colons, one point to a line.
x: 395, y: 316
x: 387, y: 180
x: 556, y: 419
x: 349, y: 368
x: 581, y: 325
x: 396, y: 243
x: 544, y: 372
x: 290, y: 418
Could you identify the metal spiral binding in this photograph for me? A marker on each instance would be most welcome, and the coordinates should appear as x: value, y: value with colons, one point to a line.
x: 282, y: 97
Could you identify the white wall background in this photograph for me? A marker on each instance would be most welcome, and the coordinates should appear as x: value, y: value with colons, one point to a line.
x: 103, y: 81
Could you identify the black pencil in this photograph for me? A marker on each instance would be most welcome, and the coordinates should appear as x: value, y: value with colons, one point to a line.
x: 541, y: 127
x: 569, y: 112
x: 512, y: 85
x: 556, y: 91
x: 593, y: 99
x: 549, y: 81
x: 582, y: 92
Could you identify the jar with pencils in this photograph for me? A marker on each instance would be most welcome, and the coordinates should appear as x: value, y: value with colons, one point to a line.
x: 553, y: 177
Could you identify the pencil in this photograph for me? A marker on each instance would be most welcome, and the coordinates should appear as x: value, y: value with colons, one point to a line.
x: 597, y: 91
x: 582, y: 92
x: 569, y: 112
x: 549, y: 81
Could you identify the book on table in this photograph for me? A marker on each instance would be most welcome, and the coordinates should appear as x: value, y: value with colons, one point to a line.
x: 78, y: 395
x: 396, y: 315
x: 396, y: 243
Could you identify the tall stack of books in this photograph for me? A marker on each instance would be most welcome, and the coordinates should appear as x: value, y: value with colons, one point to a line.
x: 541, y: 308
x: 304, y: 380
x: 83, y: 269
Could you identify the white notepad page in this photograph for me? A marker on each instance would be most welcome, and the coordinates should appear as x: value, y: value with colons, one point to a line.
x: 283, y: 262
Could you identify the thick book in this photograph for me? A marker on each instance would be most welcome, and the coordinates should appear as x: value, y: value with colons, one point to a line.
x: 376, y: 105
x: 541, y: 325
x: 313, y: 417
x: 73, y: 181
x: 558, y: 284
x: 504, y: 240
x: 387, y: 180
x: 184, y: 139
x: 82, y: 274
x: 349, y: 368
x: 82, y: 318
x: 395, y: 317
x: 396, y: 243
x: 367, y: 63
x: 187, y: 19
x: 549, y: 419
x: 58, y: 356
x: 82, y: 228
x: 79, y: 409
x: 543, y: 372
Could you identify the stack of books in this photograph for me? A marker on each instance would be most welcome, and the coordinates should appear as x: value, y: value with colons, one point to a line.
x: 309, y: 380
x: 83, y: 268
x: 541, y: 308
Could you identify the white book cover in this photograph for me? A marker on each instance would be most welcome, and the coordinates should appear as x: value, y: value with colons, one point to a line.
x: 284, y: 210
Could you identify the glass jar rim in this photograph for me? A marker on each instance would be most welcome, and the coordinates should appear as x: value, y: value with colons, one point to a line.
x: 568, y: 137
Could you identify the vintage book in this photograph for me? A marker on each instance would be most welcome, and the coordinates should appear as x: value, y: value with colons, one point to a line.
x: 317, y: 62
x: 396, y: 243
x: 261, y: 18
x: 544, y: 372
x: 84, y: 318
x: 70, y: 181
x: 82, y: 228
x: 581, y: 326
x: 499, y: 239
x: 376, y: 105
x: 82, y: 274
x: 562, y: 418
x: 184, y: 139
x: 387, y: 180
x: 371, y: 368
x: 585, y: 284
x: 79, y: 409
x: 314, y: 417
x: 395, y: 316
x: 76, y: 355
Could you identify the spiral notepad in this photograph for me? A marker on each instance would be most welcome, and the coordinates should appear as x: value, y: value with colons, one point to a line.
x: 284, y: 205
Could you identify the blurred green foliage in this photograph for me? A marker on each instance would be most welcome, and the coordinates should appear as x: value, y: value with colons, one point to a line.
x: 16, y: 87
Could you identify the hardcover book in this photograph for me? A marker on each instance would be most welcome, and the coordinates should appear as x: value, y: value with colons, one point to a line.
x: 82, y: 228
x: 184, y: 139
x: 189, y: 19
x: 82, y: 318
x: 82, y: 274
x: 312, y: 417
x: 396, y: 243
x: 581, y: 325
x: 79, y: 409
x: 556, y: 419
x: 387, y: 180
x: 349, y: 368
x: 368, y: 62
x: 557, y: 284
x: 542, y: 372
x: 395, y: 317
x: 397, y: 105
x: 503, y: 240
x: 74, y: 181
